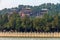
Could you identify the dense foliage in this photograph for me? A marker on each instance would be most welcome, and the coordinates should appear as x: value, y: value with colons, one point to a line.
x: 14, y: 22
x: 47, y: 23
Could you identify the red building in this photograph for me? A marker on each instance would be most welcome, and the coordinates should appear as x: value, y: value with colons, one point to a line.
x: 25, y: 11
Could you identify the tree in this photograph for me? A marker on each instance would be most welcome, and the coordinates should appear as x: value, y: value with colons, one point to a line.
x: 26, y: 23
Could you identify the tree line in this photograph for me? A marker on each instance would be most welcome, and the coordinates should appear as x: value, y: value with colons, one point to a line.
x: 15, y: 22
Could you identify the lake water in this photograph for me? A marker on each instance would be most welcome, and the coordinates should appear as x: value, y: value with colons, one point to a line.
x: 29, y: 38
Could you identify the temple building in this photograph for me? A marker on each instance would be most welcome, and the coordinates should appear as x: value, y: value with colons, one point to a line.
x: 42, y: 12
x: 25, y: 11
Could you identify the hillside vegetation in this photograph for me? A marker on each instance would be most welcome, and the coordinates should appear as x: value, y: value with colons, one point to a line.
x: 48, y: 23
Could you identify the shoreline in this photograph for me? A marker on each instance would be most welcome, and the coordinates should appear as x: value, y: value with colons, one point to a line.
x: 29, y: 35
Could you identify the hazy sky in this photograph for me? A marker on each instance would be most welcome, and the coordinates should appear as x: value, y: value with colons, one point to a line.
x: 15, y: 3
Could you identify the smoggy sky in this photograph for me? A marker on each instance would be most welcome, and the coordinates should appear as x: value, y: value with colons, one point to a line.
x: 15, y: 3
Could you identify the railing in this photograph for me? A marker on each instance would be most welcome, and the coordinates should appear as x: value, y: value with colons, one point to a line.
x: 30, y: 34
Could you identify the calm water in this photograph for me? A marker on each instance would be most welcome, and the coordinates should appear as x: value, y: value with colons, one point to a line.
x: 29, y: 38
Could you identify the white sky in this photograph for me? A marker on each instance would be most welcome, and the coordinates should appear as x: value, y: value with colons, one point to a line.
x: 15, y: 3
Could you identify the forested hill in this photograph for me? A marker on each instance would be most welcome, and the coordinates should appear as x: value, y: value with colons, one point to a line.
x: 52, y: 8
x: 24, y: 23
